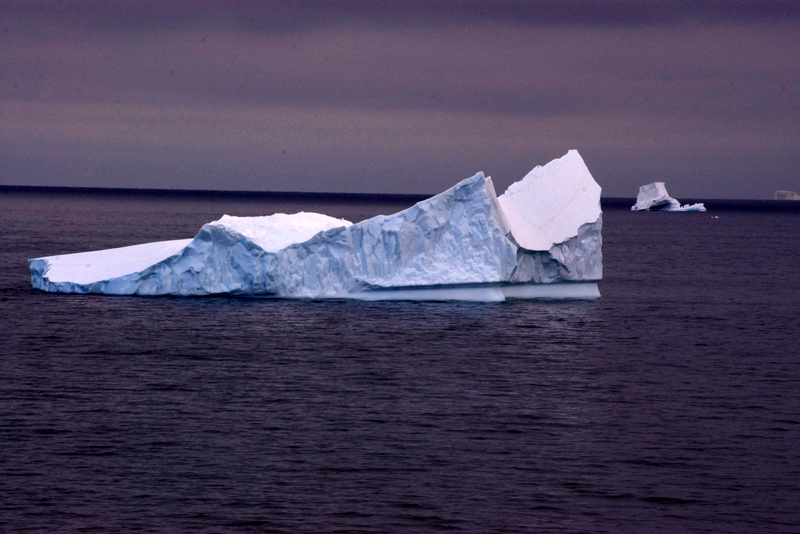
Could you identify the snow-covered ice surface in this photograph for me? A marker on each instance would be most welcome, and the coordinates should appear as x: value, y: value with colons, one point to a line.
x: 85, y: 268
x: 274, y: 232
x: 654, y: 197
x: 540, y: 239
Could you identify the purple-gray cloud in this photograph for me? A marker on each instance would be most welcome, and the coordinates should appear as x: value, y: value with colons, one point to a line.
x: 400, y: 96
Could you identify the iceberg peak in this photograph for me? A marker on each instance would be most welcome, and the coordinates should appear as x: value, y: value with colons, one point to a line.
x: 551, y: 202
x: 275, y: 232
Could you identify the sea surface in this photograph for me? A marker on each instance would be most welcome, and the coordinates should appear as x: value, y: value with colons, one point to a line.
x: 671, y: 404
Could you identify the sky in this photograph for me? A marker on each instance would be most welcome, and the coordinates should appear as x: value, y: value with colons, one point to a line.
x: 400, y: 96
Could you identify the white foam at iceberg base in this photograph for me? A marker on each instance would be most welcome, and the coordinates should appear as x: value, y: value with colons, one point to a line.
x: 541, y: 239
x: 654, y: 197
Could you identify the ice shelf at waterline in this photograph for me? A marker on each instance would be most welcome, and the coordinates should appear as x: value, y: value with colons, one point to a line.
x: 540, y: 239
x: 654, y: 197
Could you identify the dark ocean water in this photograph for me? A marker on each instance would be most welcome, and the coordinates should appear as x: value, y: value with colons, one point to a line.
x: 671, y: 404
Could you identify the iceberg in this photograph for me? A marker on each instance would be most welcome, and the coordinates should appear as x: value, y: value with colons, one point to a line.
x: 540, y: 239
x: 654, y: 197
x: 786, y: 195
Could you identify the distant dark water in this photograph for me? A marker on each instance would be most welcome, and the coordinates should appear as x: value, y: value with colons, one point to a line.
x: 672, y: 404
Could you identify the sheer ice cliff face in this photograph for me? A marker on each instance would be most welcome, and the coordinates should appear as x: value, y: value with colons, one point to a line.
x: 541, y: 238
x: 654, y: 197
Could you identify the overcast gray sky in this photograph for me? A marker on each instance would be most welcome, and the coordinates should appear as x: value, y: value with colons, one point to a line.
x: 400, y: 97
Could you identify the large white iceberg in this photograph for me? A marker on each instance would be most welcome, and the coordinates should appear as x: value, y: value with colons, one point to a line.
x: 540, y: 239
x: 654, y: 197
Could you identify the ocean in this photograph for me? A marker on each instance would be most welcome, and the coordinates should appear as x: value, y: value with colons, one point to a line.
x: 670, y: 404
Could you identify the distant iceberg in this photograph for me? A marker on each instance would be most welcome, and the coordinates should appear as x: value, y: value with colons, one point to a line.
x: 786, y: 195
x: 540, y: 239
x: 654, y: 197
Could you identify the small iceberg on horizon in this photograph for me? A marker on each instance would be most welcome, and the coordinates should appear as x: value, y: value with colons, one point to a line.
x: 787, y: 195
x: 540, y: 239
x: 654, y: 197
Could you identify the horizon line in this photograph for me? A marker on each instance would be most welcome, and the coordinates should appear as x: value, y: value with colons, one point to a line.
x: 614, y: 202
